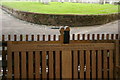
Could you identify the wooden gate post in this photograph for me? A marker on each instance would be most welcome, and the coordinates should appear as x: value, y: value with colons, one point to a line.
x: 65, y: 35
x: 66, y: 64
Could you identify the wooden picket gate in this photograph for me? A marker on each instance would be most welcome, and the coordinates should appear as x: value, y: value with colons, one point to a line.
x: 75, y: 59
x: 55, y: 60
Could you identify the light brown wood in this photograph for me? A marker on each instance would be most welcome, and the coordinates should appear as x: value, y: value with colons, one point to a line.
x: 105, y: 73
x: 30, y: 64
x: 44, y: 74
x: 37, y: 64
x: 116, y: 58
x: 88, y: 64
x: 36, y: 46
x: 94, y: 64
x: 99, y: 64
x: 23, y: 65
x: 57, y: 64
x: 111, y: 64
x: 66, y: 64
x: 16, y: 65
x: 82, y: 64
x: 75, y: 64
x: 51, y: 68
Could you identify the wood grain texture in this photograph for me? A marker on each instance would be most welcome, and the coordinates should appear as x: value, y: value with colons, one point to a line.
x: 75, y: 64
x: 111, y: 65
x: 82, y: 64
x: 94, y: 64
x: 30, y: 64
x: 16, y: 65
x: 105, y: 66
x: 99, y: 71
x: 66, y: 64
x: 88, y: 64
x: 44, y: 74
x: 51, y: 65
x: 37, y: 64
x: 23, y: 65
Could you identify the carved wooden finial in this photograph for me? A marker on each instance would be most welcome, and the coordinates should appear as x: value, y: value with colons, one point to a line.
x: 62, y: 30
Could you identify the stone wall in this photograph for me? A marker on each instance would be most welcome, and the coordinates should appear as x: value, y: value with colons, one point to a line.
x: 63, y: 19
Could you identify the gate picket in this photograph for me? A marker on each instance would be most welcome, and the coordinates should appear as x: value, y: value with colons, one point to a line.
x: 99, y: 71
x: 30, y: 64
x: 44, y: 74
x: 87, y: 64
x: 82, y: 64
x: 23, y: 65
x: 111, y: 64
x: 51, y: 68
x: 37, y: 64
x: 75, y: 64
x: 57, y: 64
x: 16, y: 65
x: 105, y: 73
x: 94, y: 64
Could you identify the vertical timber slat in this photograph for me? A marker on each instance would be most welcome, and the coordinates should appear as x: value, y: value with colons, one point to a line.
x: 105, y: 73
x: 111, y: 64
x: 30, y: 64
x: 75, y: 64
x: 57, y: 65
x: 82, y: 64
x: 37, y: 64
x: 66, y: 64
x: 9, y: 63
x: 23, y: 65
x: 44, y: 74
x: 99, y: 64
x: 94, y: 64
x: 51, y: 68
x: 87, y: 64
x: 16, y: 65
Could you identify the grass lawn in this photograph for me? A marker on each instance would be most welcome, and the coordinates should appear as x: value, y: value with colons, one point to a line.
x: 63, y: 8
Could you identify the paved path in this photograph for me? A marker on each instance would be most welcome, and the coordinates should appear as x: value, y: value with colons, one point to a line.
x: 11, y: 25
